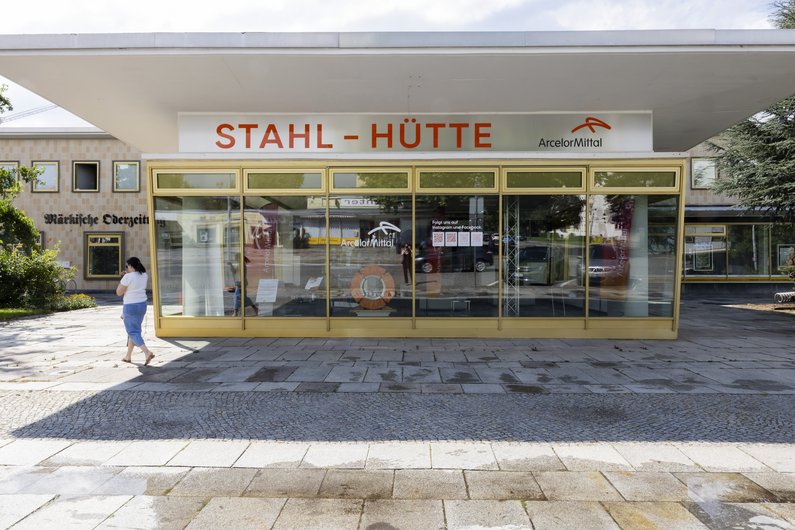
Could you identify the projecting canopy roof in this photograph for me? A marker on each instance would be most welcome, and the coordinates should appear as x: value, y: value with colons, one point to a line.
x: 696, y: 82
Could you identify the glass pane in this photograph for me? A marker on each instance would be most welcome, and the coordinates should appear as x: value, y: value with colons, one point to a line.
x: 632, y: 255
x: 48, y: 179
x: 703, y: 230
x: 543, y: 241
x: 198, y: 254
x: 369, y: 276
x: 104, y: 261
x: 704, y: 172
x: 457, y: 273
x: 782, y: 247
x: 635, y: 179
x: 456, y: 179
x: 399, y: 180
x: 285, y: 181
x: 705, y: 256
x: 748, y: 255
x: 126, y: 175
x: 218, y: 181
x: 544, y: 179
x: 86, y: 176
x: 285, y: 257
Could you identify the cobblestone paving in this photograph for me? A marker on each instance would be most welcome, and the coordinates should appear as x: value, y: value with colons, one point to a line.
x: 695, y: 433
x: 349, y: 417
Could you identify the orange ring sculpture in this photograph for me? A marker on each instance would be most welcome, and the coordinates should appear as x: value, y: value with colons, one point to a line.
x: 372, y: 287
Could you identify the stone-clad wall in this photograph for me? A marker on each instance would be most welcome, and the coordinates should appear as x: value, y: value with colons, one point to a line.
x: 70, y: 236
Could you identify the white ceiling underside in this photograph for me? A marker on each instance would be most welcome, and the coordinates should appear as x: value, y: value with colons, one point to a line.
x: 133, y: 86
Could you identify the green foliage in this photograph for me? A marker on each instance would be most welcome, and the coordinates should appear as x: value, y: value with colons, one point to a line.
x: 756, y: 161
x: 33, y: 280
x: 12, y: 313
x: 16, y: 228
x: 784, y: 15
x: 756, y: 158
x: 5, y: 104
x: 73, y: 301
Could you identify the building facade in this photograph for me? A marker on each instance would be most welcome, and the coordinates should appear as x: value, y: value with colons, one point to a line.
x: 413, y: 184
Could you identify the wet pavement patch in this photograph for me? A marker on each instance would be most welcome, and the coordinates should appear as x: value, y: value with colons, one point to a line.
x: 272, y: 375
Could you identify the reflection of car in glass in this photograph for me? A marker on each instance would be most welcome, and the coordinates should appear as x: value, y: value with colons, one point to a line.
x: 453, y: 259
x: 530, y: 267
x: 606, y: 266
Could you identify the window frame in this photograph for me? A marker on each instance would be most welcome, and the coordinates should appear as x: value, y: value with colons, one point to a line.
x: 371, y: 191
x: 11, y: 165
x: 207, y: 192
x: 75, y: 163
x: 505, y: 171
x: 87, y: 246
x: 693, y: 172
x: 457, y: 169
x: 248, y: 190
x: 634, y: 190
x: 46, y: 163
x: 116, y: 164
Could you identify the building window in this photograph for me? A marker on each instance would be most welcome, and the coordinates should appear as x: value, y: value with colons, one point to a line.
x: 704, y: 173
x: 85, y: 176
x: 11, y: 167
x: 103, y: 253
x: 47, y: 181
x: 126, y: 176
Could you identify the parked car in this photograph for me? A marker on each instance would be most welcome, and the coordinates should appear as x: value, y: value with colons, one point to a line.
x: 606, y: 266
x: 453, y: 259
x: 530, y: 267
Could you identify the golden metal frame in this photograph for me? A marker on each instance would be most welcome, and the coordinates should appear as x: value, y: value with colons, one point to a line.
x: 74, y: 176
x: 522, y: 327
x: 45, y: 163
x: 137, y: 180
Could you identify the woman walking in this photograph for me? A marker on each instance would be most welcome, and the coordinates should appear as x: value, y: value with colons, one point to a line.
x: 133, y: 288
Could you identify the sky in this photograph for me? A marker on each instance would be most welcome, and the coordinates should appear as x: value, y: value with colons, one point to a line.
x: 109, y: 16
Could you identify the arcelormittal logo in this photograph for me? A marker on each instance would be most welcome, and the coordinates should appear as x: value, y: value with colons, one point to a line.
x: 592, y: 123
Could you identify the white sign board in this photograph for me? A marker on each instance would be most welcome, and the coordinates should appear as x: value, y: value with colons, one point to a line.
x: 597, y: 132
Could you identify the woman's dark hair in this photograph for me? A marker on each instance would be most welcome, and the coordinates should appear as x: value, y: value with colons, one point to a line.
x: 136, y: 264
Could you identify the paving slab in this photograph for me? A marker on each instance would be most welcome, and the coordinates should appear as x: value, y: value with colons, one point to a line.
x: 78, y: 512
x: 237, y: 512
x: 13, y: 508
x: 738, y: 515
x: 784, y: 510
x: 462, y: 456
x: 777, y: 457
x: 357, y: 484
x: 143, y: 481
x: 166, y: 513
x: 14, y: 479
x: 569, y: 514
x: 147, y: 453
x: 272, y: 454
x: 502, y: 485
x: 467, y: 515
x: 724, y: 487
x: 662, y: 515
x: 526, y: 457
x: 335, y: 456
x: 403, y: 514
x: 89, y: 453
x: 591, y: 457
x: 69, y: 480
x: 213, y: 482
x: 209, y: 453
x: 720, y: 457
x: 30, y: 452
x: 655, y: 457
x: 782, y: 485
x: 320, y: 514
x: 576, y: 486
x: 294, y: 483
x: 648, y: 486
x: 399, y: 456
x: 429, y: 484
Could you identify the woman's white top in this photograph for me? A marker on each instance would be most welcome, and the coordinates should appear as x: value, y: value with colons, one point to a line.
x: 136, y: 287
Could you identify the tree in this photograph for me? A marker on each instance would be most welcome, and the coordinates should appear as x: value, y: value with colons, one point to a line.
x: 756, y: 158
